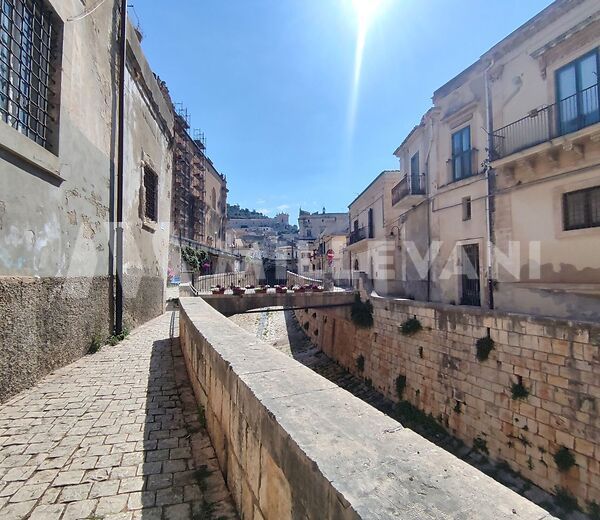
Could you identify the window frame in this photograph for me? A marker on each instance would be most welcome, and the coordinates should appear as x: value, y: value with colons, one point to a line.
x: 464, y: 156
x: 149, y: 220
x: 589, y: 222
x: 562, y: 126
x: 32, y: 71
x: 467, y: 208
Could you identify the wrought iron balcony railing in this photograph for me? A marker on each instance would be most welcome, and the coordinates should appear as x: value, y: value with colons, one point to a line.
x: 357, y: 235
x: 409, y: 185
x: 543, y: 124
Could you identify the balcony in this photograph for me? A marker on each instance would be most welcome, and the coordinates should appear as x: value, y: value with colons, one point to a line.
x: 410, y: 189
x: 544, y: 124
x: 357, y: 235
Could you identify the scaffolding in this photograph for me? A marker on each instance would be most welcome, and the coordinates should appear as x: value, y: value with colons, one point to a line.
x: 188, y: 178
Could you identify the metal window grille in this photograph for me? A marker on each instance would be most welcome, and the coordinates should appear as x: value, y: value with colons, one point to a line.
x: 151, y: 195
x: 581, y: 209
x: 27, y: 34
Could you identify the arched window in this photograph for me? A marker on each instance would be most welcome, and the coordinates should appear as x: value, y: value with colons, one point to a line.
x: 356, y: 264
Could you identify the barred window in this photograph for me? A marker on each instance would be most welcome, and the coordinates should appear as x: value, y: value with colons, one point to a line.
x: 150, y: 195
x: 27, y: 42
x: 581, y: 208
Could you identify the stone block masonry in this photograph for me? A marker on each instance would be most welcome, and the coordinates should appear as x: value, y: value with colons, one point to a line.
x: 557, y: 363
x: 291, y: 444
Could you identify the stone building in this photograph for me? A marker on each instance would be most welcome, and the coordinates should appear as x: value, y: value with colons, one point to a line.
x: 312, y: 225
x: 499, y: 198
x: 368, y: 248
x: 59, y: 163
x: 199, y: 202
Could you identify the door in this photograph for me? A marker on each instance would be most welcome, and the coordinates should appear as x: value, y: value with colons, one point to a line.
x: 470, y: 282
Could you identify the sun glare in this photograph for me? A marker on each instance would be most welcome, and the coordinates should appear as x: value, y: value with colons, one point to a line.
x: 365, y: 11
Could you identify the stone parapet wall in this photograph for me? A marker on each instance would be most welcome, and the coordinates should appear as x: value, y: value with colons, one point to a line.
x: 47, y: 323
x: 558, y: 363
x: 291, y: 444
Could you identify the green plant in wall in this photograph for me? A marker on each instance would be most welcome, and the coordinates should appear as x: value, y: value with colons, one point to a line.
x: 194, y: 258
x: 594, y: 510
x: 480, y: 444
x: 360, y: 363
x: 411, y: 326
x: 361, y: 313
x: 565, y: 500
x: 400, y: 386
x: 95, y: 345
x: 484, y: 346
x: 564, y: 459
x: 115, y: 339
x: 518, y: 390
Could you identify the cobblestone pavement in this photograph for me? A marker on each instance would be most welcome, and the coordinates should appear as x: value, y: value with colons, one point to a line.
x: 282, y: 331
x: 113, y: 436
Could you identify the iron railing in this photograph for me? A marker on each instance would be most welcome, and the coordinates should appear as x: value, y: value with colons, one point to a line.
x: 204, y: 284
x: 409, y: 185
x: 543, y: 124
x: 357, y: 235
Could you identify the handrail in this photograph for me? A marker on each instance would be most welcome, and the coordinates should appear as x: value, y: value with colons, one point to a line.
x: 548, y: 122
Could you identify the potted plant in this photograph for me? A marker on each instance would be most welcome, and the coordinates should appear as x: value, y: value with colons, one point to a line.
x: 318, y: 288
x: 260, y: 290
x: 280, y: 290
x: 238, y: 291
x: 218, y: 290
x: 298, y: 289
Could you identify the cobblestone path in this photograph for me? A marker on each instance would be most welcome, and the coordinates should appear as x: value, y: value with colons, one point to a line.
x: 282, y: 331
x: 113, y: 436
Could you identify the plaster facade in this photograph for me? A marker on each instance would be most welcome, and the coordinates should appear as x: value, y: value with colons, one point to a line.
x: 57, y: 207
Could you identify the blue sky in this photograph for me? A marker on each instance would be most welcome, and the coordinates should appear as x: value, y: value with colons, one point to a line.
x: 270, y: 83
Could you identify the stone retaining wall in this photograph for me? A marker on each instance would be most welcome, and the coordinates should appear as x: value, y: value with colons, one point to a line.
x: 293, y: 445
x: 558, y: 363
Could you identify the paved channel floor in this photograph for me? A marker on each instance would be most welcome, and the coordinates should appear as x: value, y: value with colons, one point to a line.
x: 114, y: 436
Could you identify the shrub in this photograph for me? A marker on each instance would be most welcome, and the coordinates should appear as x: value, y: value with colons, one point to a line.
x: 565, y: 500
x: 484, y: 346
x: 360, y: 363
x: 411, y: 326
x: 480, y: 444
x: 361, y: 313
x: 400, y: 385
x: 194, y: 258
x: 594, y: 510
x: 564, y: 459
x: 95, y: 345
x: 518, y: 390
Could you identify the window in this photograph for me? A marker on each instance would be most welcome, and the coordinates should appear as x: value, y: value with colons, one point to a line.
x: 577, y: 93
x: 581, y: 209
x: 414, y: 173
x: 466, y: 207
x: 371, y: 224
x: 461, y: 154
x: 27, y: 41
x: 150, y: 195
x: 305, y: 268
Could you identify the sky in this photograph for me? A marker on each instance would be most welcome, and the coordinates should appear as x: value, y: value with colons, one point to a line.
x: 273, y: 84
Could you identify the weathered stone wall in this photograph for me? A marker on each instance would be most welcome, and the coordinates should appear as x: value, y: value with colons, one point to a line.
x: 557, y: 362
x: 47, y: 323
x: 291, y: 444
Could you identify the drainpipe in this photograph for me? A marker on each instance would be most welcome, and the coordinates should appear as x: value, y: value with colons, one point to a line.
x: 120, y: 169
x: 428, y: 197
x: 489, y: 187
